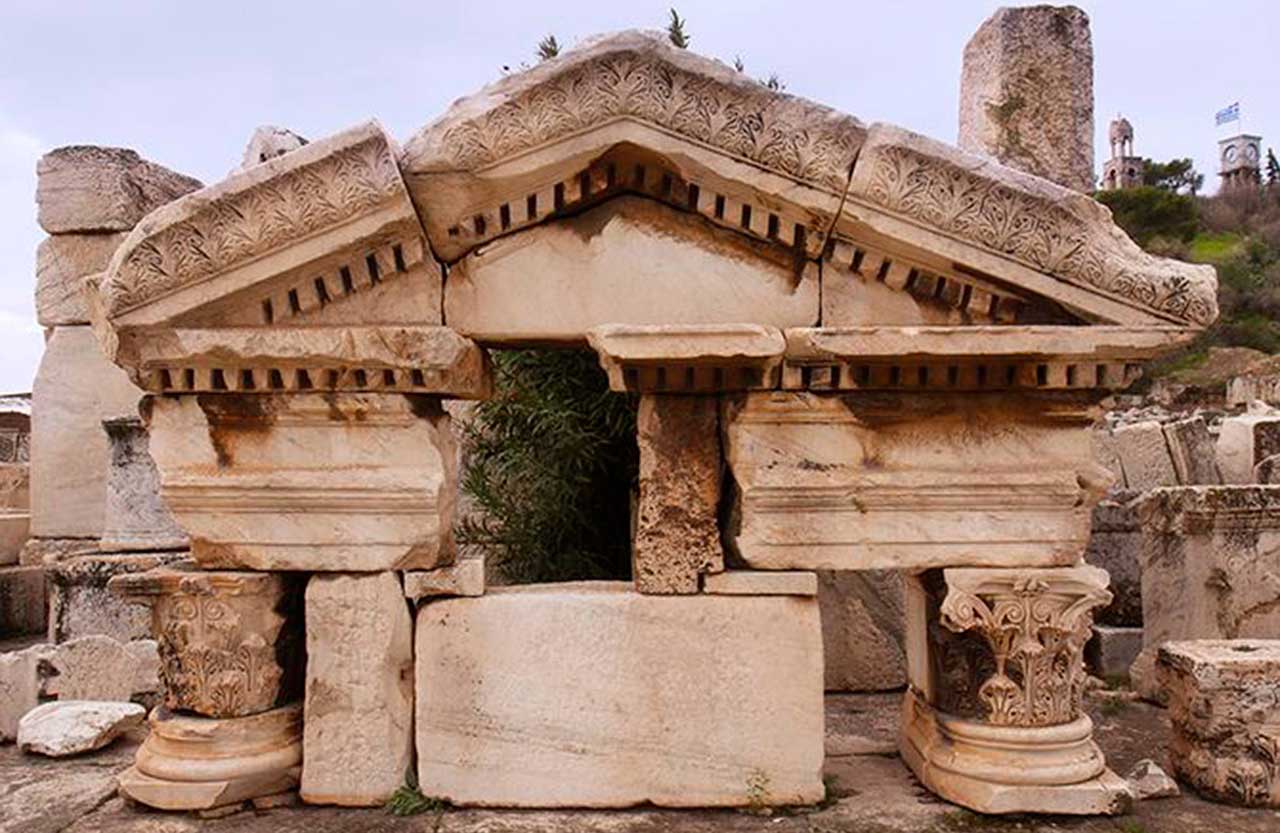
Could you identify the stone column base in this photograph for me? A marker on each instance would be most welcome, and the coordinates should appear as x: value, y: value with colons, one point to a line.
x: 198, y: 763
x: 1009, y: 769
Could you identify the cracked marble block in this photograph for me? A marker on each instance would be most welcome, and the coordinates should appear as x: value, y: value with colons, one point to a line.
x: 992, y: 718
x: 308, y: 481
x: 590, y: 694
x: 1210, y: 569
x: 230, y: 643
x: 1224, y: 707
x: 677, y: 536
x: 358, y: 736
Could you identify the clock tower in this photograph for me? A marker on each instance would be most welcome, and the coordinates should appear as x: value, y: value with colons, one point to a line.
x: 1240, y: 160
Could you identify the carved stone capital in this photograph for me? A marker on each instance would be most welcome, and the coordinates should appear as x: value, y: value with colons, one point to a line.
x: 1027, y: 669
x: 230, y: 642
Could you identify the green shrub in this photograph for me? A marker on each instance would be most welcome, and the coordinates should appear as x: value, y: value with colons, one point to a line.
x: 551, y: 463
x: 1147, y: 213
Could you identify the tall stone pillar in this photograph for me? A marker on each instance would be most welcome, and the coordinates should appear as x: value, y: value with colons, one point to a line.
x: 992, y: 719
x: 1026, y: 93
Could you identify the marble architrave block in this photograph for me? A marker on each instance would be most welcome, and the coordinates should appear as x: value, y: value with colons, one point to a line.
x: 993, y: 719
x: 1224, y: 708
x: 317, y: 482
x: 584, y: 700
x: 1210, y: 569
x: 358, y: 732
x: 869, y: 481
x: 136, y: 518
x: 200, y: 763
x: 231, y: 643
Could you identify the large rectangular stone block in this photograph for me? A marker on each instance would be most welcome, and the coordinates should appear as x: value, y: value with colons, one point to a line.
x: 1115, y: 545
x: 81, y: 605
x: 345, y: 482
x: 88, y: 188
x: 592, y: 695
x: 358, y: 718
x: 75, y: 389
x: 856, y: 482
x: 22, y: 600
x: 863, y: 629
x: 63, y: 261
x: 1244, y: 441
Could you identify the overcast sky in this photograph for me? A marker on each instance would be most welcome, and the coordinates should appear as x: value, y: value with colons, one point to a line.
x: 185, y: 83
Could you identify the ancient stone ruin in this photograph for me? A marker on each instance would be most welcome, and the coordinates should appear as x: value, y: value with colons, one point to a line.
x: 857, y: 352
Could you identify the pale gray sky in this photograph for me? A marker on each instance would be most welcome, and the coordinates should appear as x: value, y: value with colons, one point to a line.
x: 185, y: 83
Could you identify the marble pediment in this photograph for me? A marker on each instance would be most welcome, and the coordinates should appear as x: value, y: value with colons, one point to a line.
x: 631, y: 183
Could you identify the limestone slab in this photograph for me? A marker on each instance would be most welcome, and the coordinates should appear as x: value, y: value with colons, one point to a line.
x: 63, y: 261
x: 1115, y: 545
x: 86, y: 188
x: 358, y: 730
x: 75, y: 389
x: 1191, y: 447
x: 80, y: 603
x: 309, y: 481
x: 23, y: 600
x: 862, y: 630
x: 629, y: 261
x: 1243, y: 442
x: 73, y: 727
x: 135, y: 518
x: 98, y: 667
x: 1210, y: 569
x: 845, y: 482
x: 19, y: 687
x: 1144, y: 453
x: 1026, y: 93
x: 465, y: 577
x: 677, y: 534
x: 1224, y: 706
x: 584, y: 699
x: 761, y: 583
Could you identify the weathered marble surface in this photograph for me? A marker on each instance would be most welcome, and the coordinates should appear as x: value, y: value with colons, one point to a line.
x: 85, y: 188
x: 73, y: 727
x: 244, y: 476
x: 74, y: 390
x: 1210, y: 569
x: 230, y: 642
x: 63, y: 261
x: 863, y: 629
x: 1224, y: 706
x: 358, y: 713
x: 1026, y: 93
x: 593, y: 695
x: 677, y: 536
x: 1244, y: 441
x: 135, y: 518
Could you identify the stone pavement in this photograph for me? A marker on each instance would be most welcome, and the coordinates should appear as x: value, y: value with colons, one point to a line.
x: 871, y: 792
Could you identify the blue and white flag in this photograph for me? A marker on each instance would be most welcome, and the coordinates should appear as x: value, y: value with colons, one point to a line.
x: 1227, y: 114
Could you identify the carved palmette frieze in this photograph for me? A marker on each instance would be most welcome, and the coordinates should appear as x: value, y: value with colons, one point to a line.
x: 230, y: 644
x: 253, y: 212
x: 1025, y: 666
x: 1031, y: 221
x: 639, y: 76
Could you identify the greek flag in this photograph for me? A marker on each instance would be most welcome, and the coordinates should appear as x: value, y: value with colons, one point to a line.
x: 1227, y: 114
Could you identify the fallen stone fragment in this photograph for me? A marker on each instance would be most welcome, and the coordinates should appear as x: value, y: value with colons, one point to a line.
x: 71, y: 727
x: 268, y: 142
x: 97, y: 667
x: 463, y: 578
x: 1150, y: 781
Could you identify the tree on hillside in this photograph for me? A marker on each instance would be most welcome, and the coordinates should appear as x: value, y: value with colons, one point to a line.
x: 1149, y: 214
x: 1176, y: 175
